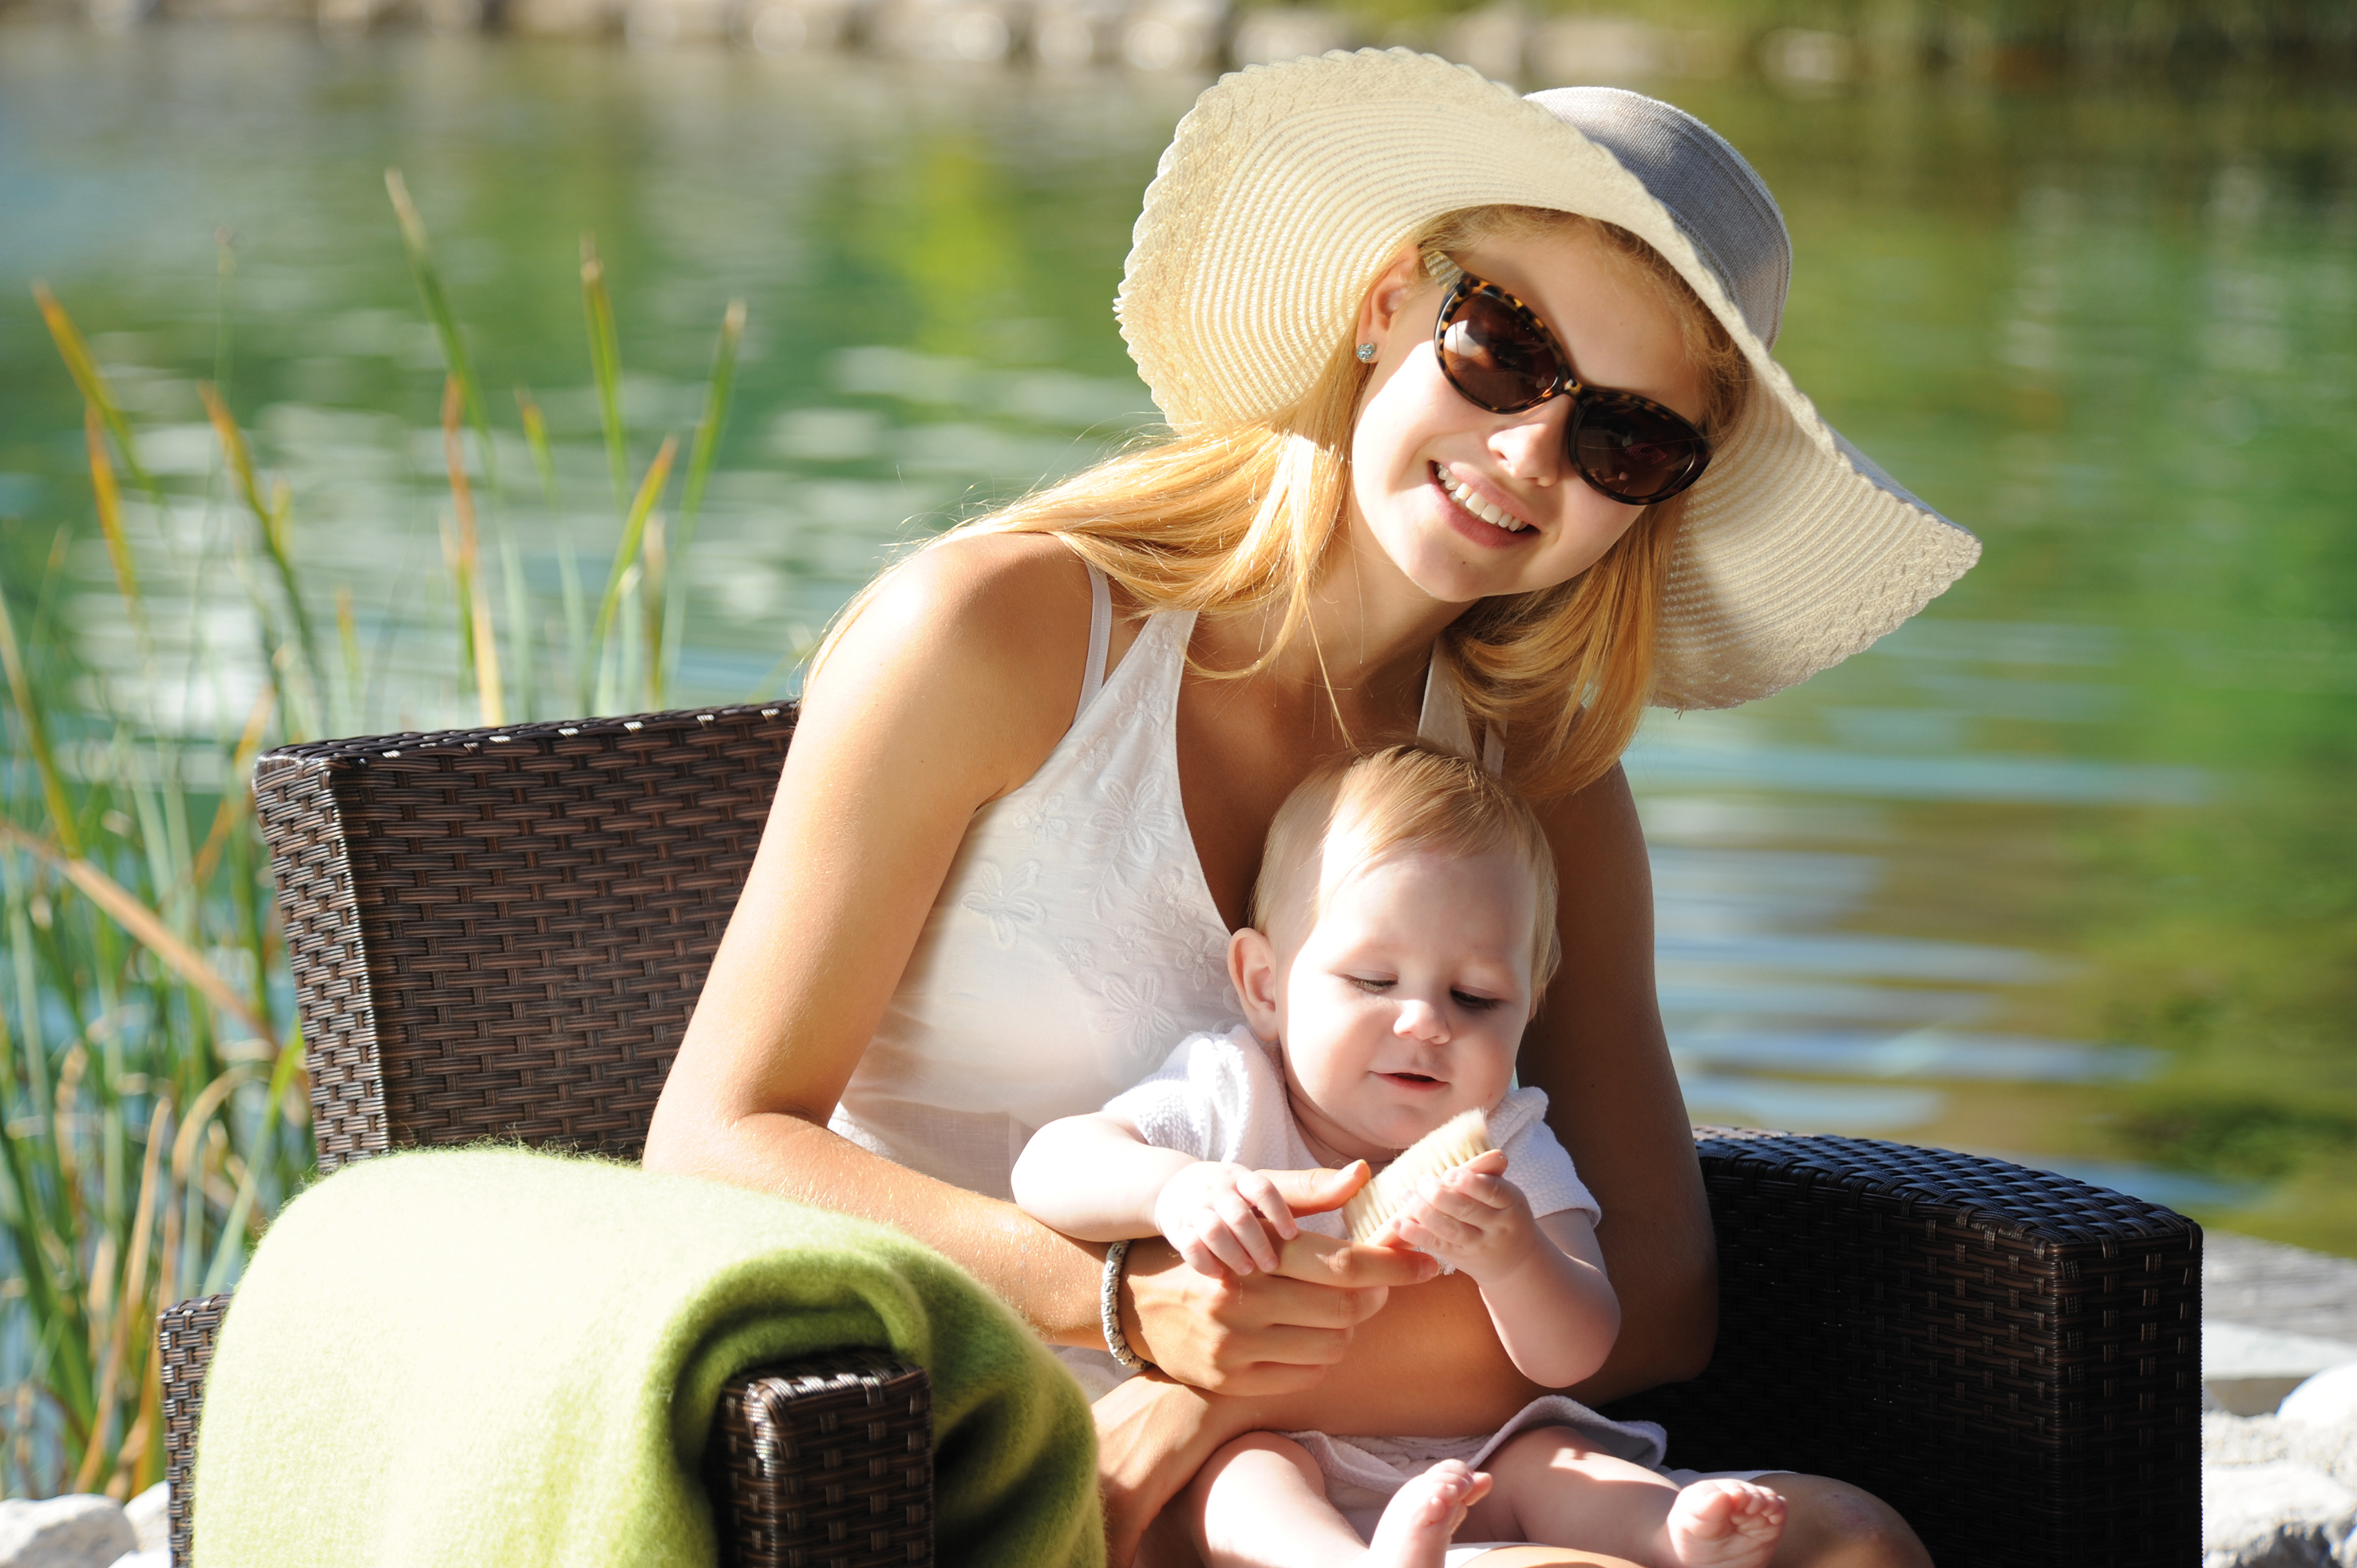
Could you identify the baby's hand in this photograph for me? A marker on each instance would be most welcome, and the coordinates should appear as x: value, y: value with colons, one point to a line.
x: 1471, y: 1219
x: 1224, y: 1220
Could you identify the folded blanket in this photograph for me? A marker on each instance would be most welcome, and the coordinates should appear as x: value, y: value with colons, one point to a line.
x: 498, y: 1357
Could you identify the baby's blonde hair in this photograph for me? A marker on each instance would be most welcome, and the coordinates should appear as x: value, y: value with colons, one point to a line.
x: 1411, y: 795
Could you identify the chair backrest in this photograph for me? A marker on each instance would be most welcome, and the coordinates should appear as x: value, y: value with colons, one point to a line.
x: 502, y: 933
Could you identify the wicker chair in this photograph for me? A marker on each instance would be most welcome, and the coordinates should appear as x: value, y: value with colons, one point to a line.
x: 501, y: 933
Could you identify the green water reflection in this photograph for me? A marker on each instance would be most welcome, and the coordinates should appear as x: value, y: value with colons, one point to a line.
x: 2062, y: 869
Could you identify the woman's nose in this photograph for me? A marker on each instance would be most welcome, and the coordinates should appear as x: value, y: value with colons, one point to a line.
x: 1531, y: 447
x: 1419, y: 1020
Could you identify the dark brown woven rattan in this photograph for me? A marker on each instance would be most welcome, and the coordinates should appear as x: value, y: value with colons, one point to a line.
x: 501, y: 933
x: 833, y: 1451
x: 2010, y: 1358
x: 184, y: 1344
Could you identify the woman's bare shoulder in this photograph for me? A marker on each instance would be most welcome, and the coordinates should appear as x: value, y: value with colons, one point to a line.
x: 985, y: 634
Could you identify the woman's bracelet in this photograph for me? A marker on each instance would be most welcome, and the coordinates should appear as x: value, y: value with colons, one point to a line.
x: 1109, y: 1309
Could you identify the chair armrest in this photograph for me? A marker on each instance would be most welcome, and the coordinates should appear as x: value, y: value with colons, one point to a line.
x: 827, y: 1460
x: 2011, y: 1359
x: 184, y: 1347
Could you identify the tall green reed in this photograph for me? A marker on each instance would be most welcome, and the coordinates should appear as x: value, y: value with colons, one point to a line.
x: 151, y: 1083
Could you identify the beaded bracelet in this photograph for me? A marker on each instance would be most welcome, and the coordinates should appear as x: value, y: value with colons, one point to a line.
x: 1109, y: 1309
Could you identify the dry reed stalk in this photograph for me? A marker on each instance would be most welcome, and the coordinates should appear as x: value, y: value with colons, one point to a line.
x: 436, y: 299
x: 143, y: 925
x: 482, y: 641
x: 91, y: 382
x: 605, y: 366
x: 108, y: 500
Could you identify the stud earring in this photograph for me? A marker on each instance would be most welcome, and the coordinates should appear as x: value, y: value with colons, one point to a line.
x: 1366, y: 353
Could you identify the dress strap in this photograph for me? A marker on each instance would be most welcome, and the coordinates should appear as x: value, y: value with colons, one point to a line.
x: 1099, y: 639
x: 1444, y: 722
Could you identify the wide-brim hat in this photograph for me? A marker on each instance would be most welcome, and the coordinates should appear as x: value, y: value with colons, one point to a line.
x: 1288, y: 187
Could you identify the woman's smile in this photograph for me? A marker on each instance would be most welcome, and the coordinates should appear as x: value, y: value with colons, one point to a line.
x: 1475, y: 512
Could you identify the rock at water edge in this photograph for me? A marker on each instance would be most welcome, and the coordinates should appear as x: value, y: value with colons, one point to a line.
x: 79, y: 1530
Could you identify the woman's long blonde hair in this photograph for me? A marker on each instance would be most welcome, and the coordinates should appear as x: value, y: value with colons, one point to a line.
x: 1231, y: 520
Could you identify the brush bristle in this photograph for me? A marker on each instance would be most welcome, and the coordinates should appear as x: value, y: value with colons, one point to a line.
x: 1465, y: 1136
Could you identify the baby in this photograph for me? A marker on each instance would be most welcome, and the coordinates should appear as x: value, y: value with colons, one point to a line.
x: 1403, y: 929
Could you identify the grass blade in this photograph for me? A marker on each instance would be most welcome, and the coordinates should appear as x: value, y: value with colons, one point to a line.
x: 276, y: 517
x: 144, y: 926
x: 436, y: 299
x: 520, y: 636
x: 36, y: 735
x: 232, y: 1238
x: 576, y: 625
x: 130, y: 1301
x: 348, y: 639
x: 605, y: 366
x: 535, y: 436
x: 108, y: 500
x: 95, y: 391
x: 655, y: 561
x: 477, y: 599
x: 717, y: 393
x: 634, y: 530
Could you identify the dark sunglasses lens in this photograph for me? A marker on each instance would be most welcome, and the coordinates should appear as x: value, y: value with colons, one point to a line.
x: 1494, y: 357
x: 1635, y: 452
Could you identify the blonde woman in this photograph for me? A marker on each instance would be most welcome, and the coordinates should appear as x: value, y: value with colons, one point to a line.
x: 1478, y: 436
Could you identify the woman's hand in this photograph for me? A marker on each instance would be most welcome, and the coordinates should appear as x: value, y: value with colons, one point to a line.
x: 1152, y: 1434
x: 1264, y: 1333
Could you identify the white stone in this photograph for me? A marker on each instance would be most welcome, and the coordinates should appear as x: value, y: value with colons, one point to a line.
x: 160, y: 1557
x: 79, y: 1530
x: 150, y: 1514
x: 2328, y: 1399
x: 2250, y: 1370
x: 2275, y: 1514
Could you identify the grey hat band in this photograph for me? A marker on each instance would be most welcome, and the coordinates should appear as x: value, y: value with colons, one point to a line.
x: 1715, y: 197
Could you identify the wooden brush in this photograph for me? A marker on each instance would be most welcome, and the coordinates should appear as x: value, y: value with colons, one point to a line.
x: 1465, y: 1136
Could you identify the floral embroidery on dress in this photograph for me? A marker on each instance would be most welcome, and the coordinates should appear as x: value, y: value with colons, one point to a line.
x: 1135, y: 1009
x: 1048, y: 820
x: 1003, y: 903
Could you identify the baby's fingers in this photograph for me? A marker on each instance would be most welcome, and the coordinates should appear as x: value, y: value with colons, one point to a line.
x: 1244, y: 1228
x: 1265, y: 1196
x: 1213, y: 1243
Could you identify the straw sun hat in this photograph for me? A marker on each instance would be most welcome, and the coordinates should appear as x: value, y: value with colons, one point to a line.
x: 1288, y: 187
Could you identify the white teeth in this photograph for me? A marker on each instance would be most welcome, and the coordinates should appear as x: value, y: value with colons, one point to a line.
x: 1497, y: 517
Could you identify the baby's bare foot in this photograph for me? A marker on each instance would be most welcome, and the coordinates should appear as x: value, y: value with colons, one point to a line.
x: 1724, y: 1524
x: 1423, y: 1515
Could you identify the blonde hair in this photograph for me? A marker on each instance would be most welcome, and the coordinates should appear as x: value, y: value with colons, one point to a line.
x: 1412, y: 796
x: 1228, y: 522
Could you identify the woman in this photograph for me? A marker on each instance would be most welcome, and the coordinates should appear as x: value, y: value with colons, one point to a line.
x: 1034, y: 764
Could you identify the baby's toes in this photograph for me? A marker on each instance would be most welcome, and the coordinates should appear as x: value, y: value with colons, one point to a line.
x: 1725, y: 1524
x: 1422, y: 1516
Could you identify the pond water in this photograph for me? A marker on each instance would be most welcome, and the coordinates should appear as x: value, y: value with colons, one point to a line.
x: 2061, y: 870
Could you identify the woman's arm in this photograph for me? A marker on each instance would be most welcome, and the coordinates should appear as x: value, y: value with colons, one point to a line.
x: 1598, y: 1049
x: 946, y: 692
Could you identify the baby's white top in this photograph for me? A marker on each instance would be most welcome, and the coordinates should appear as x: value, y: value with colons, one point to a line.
x: 1075, y: 938
x: 1223, y: 1097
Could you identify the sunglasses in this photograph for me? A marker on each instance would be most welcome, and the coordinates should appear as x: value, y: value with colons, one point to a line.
x: 1497, y: 352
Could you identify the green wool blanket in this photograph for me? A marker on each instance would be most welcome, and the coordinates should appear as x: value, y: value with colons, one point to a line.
x: 495, y: 1357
